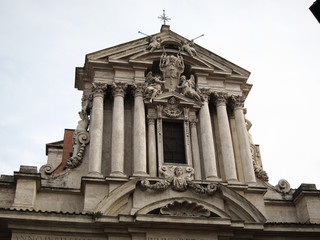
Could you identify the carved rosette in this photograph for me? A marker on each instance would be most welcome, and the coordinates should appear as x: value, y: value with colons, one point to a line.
x: 98, y: 89
x: 119, y: 89
x: 185, y: 208
x: 220, y: 98
x: 138, y: 89
x: 237, y: 101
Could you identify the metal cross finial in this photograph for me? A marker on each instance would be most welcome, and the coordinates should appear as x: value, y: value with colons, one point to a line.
x: 164, y: 18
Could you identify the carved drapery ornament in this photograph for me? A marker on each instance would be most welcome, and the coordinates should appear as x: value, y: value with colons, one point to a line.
x: 185, y: 208
x: 180, y: 179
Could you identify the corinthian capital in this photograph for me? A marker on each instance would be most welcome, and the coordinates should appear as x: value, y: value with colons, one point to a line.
x: 138, y: 89
x: 205, y: 94
x: 237, y: 101
x: 220, y: 98
x: 119, y: 89
x: 98, y: 89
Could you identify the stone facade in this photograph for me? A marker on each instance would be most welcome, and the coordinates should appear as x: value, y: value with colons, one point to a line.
x: 111, y: 178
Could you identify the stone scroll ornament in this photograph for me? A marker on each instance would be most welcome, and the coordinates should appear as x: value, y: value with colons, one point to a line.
x: 80, y: 137
x: 180, y: 179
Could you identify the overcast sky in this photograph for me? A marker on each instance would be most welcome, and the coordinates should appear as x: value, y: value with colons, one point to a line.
x: 42, y: 42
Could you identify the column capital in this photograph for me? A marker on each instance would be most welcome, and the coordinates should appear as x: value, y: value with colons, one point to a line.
x: 151, y: 118
x: 220, y: 98
x: 119, y: 89
x: 98, y: 89
x: 193, y: 123
x: 205, y: 94
x: 138, y: 89
x: 237, y: 101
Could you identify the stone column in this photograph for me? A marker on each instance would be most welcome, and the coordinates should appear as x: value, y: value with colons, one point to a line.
x: 243, y: 139
x: 225, y: 137
x: 195, y: 149
x: 208, y: 151
x: 96, y: 129
x: 117, y: 144
x: 139, y: 133
x: 152, y: 150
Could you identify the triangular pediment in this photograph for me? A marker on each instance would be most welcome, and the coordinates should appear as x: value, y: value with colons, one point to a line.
x: 176, y: 98
x: 143, y: 50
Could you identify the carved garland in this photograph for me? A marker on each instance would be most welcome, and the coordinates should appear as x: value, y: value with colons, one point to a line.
x: 179, y: 181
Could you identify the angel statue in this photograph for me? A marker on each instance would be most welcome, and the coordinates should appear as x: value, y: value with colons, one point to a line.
x: 154, y: 84
x: 188, y: 87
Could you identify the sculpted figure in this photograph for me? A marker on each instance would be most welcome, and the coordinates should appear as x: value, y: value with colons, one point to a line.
x: 154, y: 85
x: 188, y: 87
x: 171, y: 68
x: 187, y: 47
x: 179, y: 182
x: 154, y: 44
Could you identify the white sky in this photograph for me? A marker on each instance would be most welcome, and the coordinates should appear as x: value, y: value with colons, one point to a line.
x: 42, y: 42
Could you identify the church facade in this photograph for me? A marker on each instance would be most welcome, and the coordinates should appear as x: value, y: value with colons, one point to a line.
x: 162, y: 151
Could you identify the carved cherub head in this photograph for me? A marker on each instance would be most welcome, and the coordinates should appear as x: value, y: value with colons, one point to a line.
x: 178, y: 171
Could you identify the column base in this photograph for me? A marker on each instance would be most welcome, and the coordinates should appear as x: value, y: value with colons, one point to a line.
x: 140, y: 174
x: 213, y: 178
x: 118, y: 174
x: 233, y: 181
x: 95, y: 175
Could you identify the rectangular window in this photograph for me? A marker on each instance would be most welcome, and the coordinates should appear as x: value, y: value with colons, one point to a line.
x: 173, y: 142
